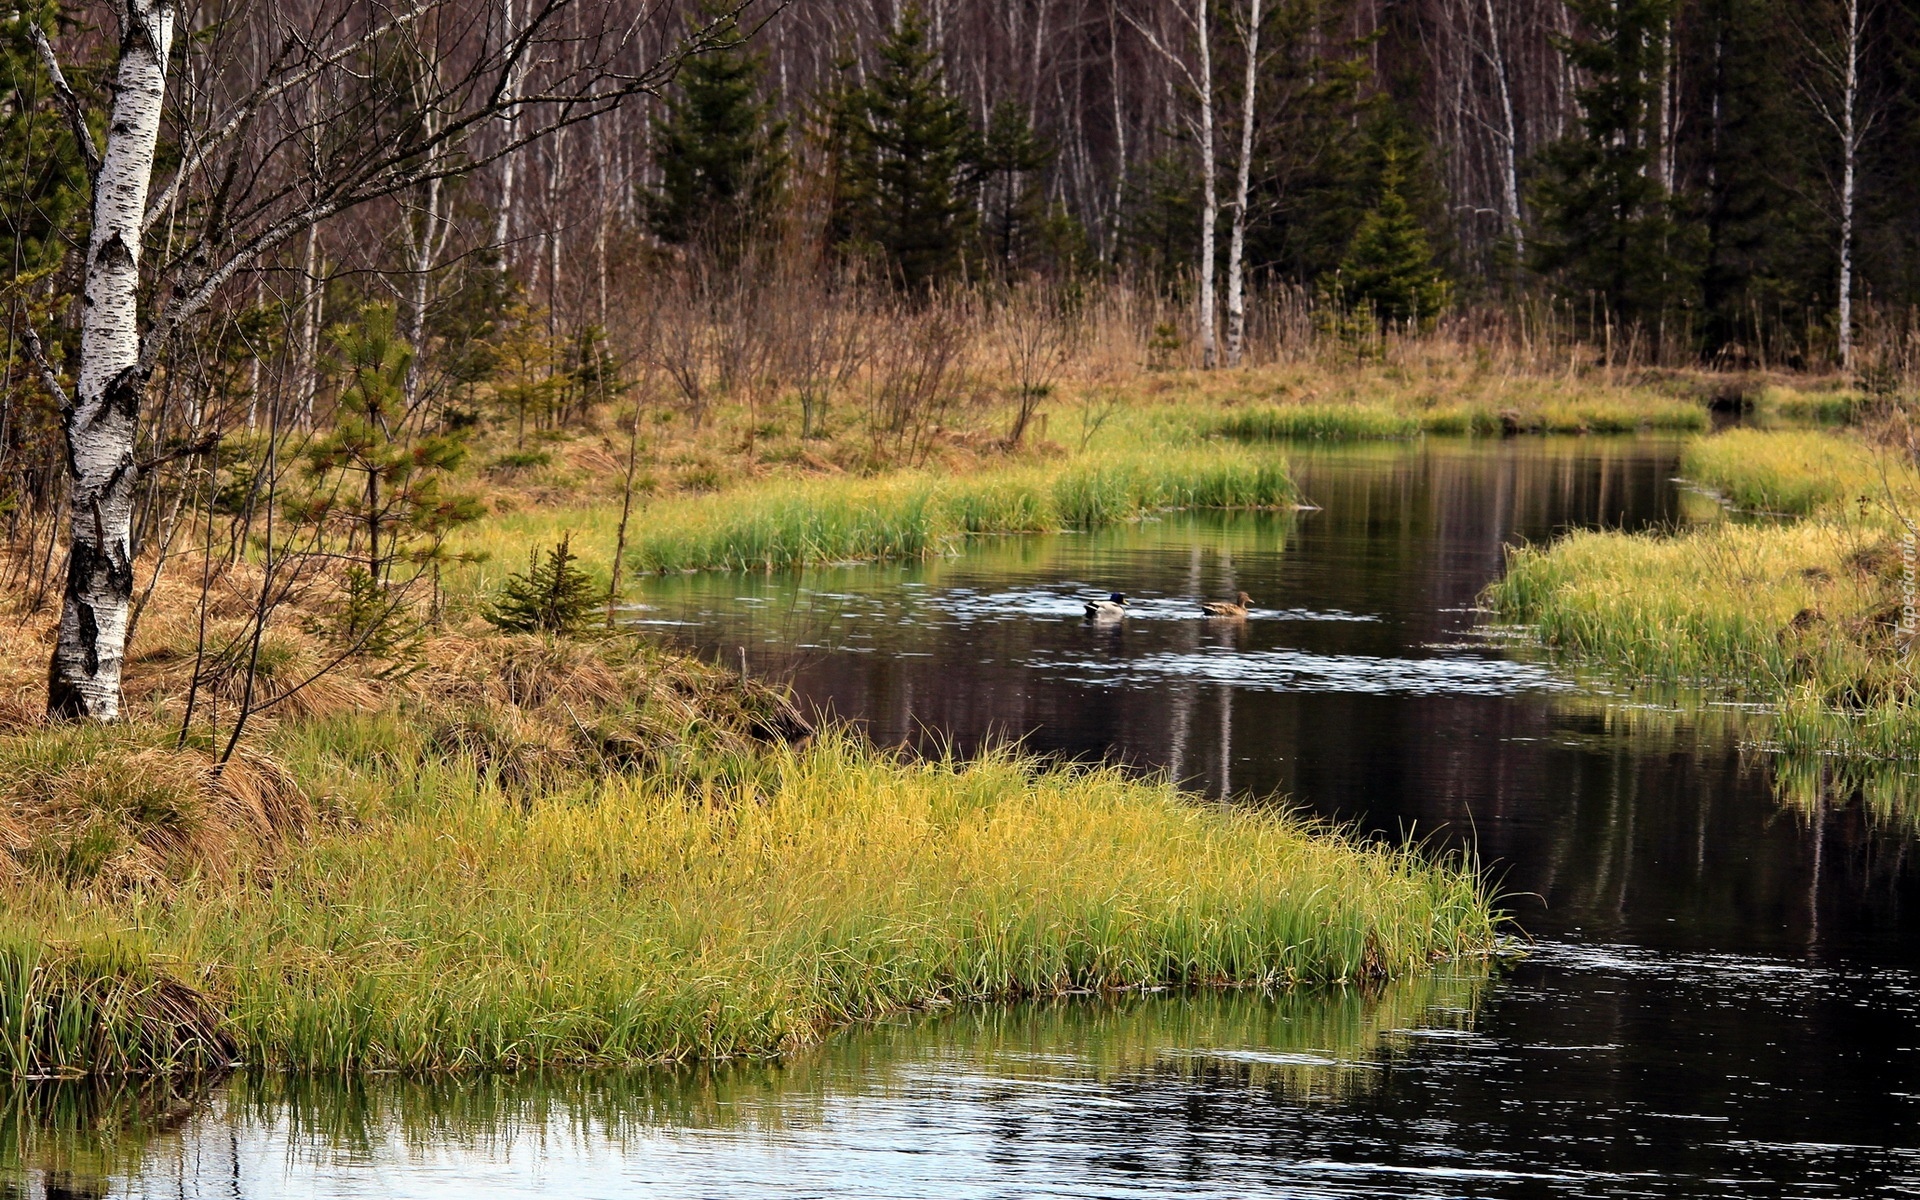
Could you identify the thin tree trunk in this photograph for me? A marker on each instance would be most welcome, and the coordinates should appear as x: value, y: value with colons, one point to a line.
x: 313, y: 299
x: 626, y: 510
x: 502, y: 226
x: 84, y: 677
x: 1236, y: 246
x: 426, y: 248
x: 1210, y: 198
x: 602, y: 213
x: 1119, y: 139
x: 1509, y: 149
x: 1850, y: 151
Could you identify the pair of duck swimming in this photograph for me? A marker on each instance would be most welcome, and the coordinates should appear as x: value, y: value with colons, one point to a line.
x: 1115, y: 607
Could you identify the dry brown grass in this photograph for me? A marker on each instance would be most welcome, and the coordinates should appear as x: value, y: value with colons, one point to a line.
x: 110, y: 809
x: 130, y: 807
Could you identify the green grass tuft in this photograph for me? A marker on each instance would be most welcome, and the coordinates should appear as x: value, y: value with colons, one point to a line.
x: 643, y: 919
x: 1341, y: 422
x: 1781, y: 472
x: 916, y: 515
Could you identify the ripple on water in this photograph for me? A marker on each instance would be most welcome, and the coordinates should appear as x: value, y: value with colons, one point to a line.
x: 1067, y: 602
x: 1301, y: 671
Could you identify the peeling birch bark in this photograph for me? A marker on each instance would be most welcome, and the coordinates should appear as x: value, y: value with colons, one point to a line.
x: 83, y: 681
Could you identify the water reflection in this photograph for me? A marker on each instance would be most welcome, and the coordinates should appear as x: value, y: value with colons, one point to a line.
x: 1003, y: 1072
x: 1722, y: 998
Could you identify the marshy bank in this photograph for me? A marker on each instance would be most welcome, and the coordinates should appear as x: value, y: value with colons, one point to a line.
x: 1795, y: 601
x: 529, y: 850
x: 901, y: 515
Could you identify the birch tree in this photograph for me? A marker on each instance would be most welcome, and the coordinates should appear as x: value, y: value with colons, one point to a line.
x: 1508, y: 136
x: 1832, y: 85
x: 272, y: 144
x: 1209, y: 191
x: 1199, y: 78
x: 1237, y: 243
x: 101, y: 415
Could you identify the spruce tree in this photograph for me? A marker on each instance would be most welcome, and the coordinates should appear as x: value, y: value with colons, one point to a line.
x: 907, y: 162
x: 553, y: 596
x: 718, y: 148
x: 1389, y: 265
x: 1767, y: 244
x: 1609, y: 226
x: 1011, y: 159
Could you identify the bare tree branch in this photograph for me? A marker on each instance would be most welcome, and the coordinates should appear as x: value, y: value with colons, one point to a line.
x: 48, y: 375
x: 63, y: 94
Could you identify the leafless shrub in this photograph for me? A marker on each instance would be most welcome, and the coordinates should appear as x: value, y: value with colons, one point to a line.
x: 822, y: 327
x: 916, y: 354
x: 1038, y: 331
x: 684, y: 341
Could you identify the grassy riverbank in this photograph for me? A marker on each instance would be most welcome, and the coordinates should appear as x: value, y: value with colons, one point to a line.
x: 1370, y: 420
x: 735, y: 494
x: 909, y: 514
x: 1799, y: 612
x: 538, y: 852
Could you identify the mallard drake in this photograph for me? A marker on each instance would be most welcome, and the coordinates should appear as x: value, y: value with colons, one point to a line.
x: 1111, y: 609
x: 1226, y: 608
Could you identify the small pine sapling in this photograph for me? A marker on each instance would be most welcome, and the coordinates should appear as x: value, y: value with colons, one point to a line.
x: 554, y: 596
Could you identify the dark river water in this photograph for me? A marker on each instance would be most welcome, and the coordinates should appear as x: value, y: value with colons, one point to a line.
x: 1719, y: 995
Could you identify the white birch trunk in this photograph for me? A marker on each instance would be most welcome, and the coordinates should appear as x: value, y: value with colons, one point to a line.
x: 502, y: 226
x: 1119, y: 138
x: 312, y: 313
x: 1210, y: 199
x: 1663, y: 159
x: 83, y: 681
x: 426, y: 249
x: 307, y: 378
x: 1237, y: 241
x: 1510, y: 138
x: 1850, y: 150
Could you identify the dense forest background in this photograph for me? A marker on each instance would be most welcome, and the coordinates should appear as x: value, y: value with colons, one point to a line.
x: 1689, y: 167
x: 1717, y: 183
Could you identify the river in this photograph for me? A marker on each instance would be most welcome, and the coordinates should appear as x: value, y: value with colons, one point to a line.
x: 1718, y: 995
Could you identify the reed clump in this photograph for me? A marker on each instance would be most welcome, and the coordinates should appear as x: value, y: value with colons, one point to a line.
x: 1326, y: 421
x: 1374, y: 421
x: 1803, y: 615
x: 914, y: 515
x: 1784, y: 404
x: 101, y: 1006
x: 1795, y: 473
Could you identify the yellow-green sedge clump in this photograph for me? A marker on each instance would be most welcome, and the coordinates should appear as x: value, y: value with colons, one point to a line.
x: 1807, y: 616
x: 642, y: 917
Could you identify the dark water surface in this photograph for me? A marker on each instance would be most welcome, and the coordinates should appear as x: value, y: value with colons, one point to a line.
x: 1721, y: 997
